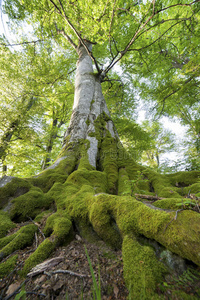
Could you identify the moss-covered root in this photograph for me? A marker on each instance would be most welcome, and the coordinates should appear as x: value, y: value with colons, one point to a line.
x: 102, y: 220
x: 24, y: 237
x: 59, y: 225
x: 5, y: 223
x: 7, y: 266
x: 29, y: 204
x: 142, y: 270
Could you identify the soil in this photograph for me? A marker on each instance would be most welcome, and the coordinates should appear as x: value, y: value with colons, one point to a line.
x: 71, y: 276
x: 78, y: 284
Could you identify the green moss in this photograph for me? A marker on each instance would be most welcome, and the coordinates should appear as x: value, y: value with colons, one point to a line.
x: 41, y: 253
x: 29, y: 204
x: 96, y: 179
x: 43, y: 215
x: 87, y: 122
x: 14, y: 188
x: 124, y: 185
x: 142, y: 270
x: 24, y: 237
x: 162, y: 185
x: 169, y: 203
x: 7, y: 266
x: 58, y: 225
x: 178, y: 294
x: 134, y: 216
x: 86, y: 230
x: 109, y: 162
x: 184, y: 178
x: 47, y: 179
x: 182, y: 236
x: 177, y: 235
x: 102, y: 219
x: 6, y: 240
x: 192, y: 189
x: 5, y: 223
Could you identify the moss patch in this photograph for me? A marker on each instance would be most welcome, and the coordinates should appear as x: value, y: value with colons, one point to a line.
x: 142, y: 270
x: 29, y: 204
x: 13, y: 189
x: 58, y: 225
x: 5, y: 223
x: 24, y: 237
x: 7, y: 266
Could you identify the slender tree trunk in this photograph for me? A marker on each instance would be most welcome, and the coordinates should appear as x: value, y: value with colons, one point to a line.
x: 11, y: 130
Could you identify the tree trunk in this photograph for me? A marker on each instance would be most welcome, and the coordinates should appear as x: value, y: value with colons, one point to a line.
x: 89, y: 188
x: 89, y: 104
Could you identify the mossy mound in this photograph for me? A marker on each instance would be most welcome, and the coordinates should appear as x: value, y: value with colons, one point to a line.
x: 7, y: 266
x: 142, y: 270
x: 6, y: 223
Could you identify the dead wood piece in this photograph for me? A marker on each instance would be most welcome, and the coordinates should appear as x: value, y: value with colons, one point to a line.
x: 46, y: 265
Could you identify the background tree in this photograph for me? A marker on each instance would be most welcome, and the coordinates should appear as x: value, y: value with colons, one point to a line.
x: 34, y: 88
x: 162, y: 141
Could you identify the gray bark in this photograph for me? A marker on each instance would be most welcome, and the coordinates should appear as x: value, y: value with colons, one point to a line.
x: 89, y: 103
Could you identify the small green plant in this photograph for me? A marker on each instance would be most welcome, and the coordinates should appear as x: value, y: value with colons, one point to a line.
x: 137, y: 183
x: 22, y: 294
x: 189, y: 204
x: 96, y: 286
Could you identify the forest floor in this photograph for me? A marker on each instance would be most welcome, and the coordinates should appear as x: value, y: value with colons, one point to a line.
x: 78, y: 283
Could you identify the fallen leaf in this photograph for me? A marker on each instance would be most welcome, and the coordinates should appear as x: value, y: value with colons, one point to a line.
x: 12, y: 288
x: 116, y: 291
x: 58, y: 285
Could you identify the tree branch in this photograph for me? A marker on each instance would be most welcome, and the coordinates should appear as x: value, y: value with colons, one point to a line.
x: 138, y: 33
x: 23, y: 43
x: 67, y: 37
x: 75, y: 31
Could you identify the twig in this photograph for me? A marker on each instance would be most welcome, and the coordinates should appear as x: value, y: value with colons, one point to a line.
x: 67, y: 37
x: 36, y: 240
x: 35, y: 293
x: 38, y: 227
x: 177, y: 213
x: 66, y: 272
x: 174, y: 218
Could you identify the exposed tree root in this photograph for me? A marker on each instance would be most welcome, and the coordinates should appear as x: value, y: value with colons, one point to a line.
x: 99, y: 205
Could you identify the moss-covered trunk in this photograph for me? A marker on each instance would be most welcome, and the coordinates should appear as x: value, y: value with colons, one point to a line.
x: 92, y: 187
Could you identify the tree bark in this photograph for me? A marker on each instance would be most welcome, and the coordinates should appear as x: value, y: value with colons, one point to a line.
x: 89, y: 104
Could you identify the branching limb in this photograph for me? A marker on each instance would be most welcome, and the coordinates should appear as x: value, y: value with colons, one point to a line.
x: 67, y: 37
x: 23, y: 43
x: 111, y: 21
x: 63, y: 14
x: 140, y: 32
